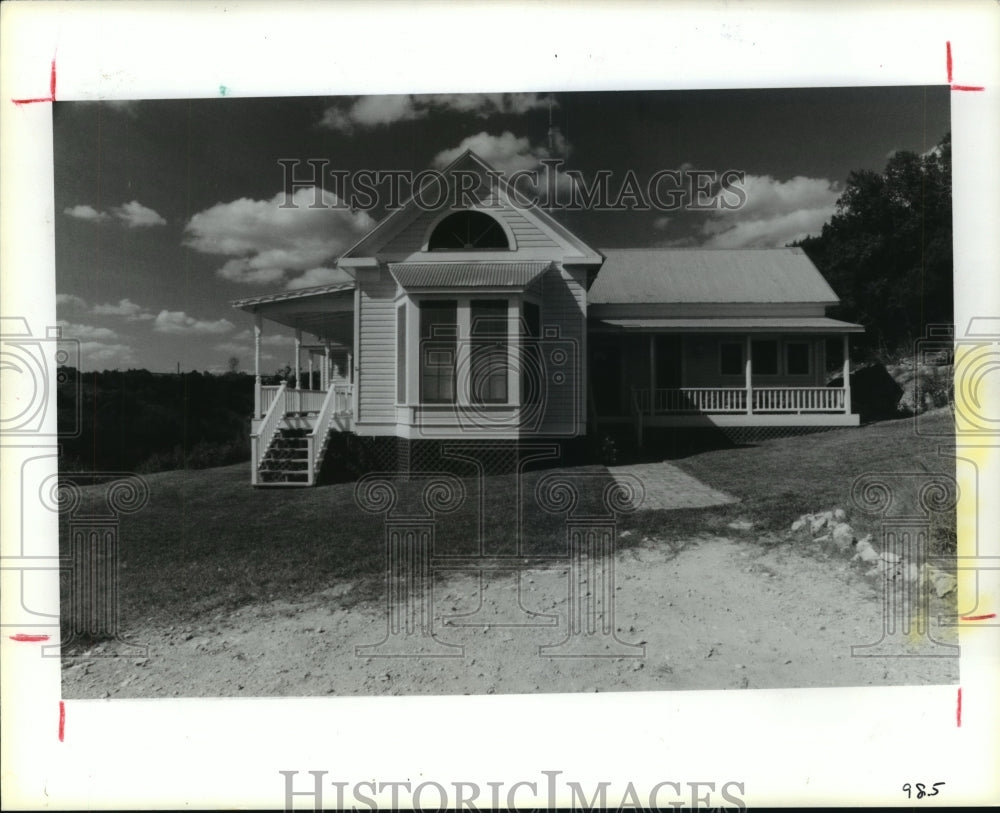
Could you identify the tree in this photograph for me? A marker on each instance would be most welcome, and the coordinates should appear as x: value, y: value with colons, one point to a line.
x: 887, y: 251
x: 234, y: 364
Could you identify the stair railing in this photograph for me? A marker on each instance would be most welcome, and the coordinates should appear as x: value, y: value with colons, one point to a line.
x: 261, y: 440
x: 318, y: 439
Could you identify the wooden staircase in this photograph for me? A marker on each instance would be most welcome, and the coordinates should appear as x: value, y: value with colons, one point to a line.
x: 286, y: 461
x: 290, y: 444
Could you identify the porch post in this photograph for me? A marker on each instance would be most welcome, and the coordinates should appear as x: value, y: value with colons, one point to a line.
x: 350, y: 369
x: 310, y: 352
x: 652, y: 373
x: 326, y: 367
x: 847, y: 375
x: 258, y: 328
x: 298, y: 359
x: 749, y: 369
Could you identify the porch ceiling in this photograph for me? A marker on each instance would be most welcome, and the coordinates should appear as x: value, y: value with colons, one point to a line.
x: 788, y: 324
x: 326, y: 312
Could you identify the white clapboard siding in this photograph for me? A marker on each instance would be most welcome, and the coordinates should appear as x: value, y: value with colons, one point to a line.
x: 377, y: 352
x: 563, y: 305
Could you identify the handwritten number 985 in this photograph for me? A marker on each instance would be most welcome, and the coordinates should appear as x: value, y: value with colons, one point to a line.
x: 920, y: 789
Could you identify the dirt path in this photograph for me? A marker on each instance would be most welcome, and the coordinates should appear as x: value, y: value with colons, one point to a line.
x: 718, y: 614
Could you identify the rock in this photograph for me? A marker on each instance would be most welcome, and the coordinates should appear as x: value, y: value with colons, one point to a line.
x: 820, y: 521
x: 866, y: 553
x: 839, y: 514
x: 625, y: 534
x: 940, y: 582
x: 843, y: 535
x: 823, y: 538
x: 801, y: 522
x: 740, y: 525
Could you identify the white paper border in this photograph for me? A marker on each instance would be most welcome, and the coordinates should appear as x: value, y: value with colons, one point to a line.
x: 802, y: 747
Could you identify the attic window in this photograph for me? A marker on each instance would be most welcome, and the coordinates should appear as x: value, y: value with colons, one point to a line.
x: 468, y: 231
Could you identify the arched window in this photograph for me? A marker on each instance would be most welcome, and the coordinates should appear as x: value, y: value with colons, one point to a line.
x: 471, y: 231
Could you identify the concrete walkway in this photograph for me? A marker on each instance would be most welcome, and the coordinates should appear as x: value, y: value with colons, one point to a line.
x: 667, y: 487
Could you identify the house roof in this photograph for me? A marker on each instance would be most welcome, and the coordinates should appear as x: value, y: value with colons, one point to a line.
x: 299, y: 293
x: 383, y: 230
x: 467, y: 274
x: 749, y: 324
x: 633, y: 276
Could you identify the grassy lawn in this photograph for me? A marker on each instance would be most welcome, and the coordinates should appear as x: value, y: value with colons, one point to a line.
x: 779, y: 480
x: 207, y: 541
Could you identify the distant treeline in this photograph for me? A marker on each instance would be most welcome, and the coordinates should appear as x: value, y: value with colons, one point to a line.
x: 887, y: 252
x: 141, y: 421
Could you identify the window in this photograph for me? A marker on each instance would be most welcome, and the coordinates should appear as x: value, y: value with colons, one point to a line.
x: 797, y: 358
x: 471, y: 231
x: 765, y: 357
x: 532, y: 375
x: 731, y: 358
x: 438, y: 348
x: 401, y: 354
x: 489, y: 363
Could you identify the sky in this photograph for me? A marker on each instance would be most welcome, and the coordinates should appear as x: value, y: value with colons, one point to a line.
x: 167, y: 210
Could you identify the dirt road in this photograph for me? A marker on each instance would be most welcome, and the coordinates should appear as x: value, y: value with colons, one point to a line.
x: 713, y: 613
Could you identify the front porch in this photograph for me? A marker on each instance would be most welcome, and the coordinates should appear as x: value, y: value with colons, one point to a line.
x: 718, y: 378
x: 293, y: 419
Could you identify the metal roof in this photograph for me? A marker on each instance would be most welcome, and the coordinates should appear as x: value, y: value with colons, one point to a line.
x: 632, y: 276
x: 467, y: 274
x: 299, y: 293
x: 754, y: 324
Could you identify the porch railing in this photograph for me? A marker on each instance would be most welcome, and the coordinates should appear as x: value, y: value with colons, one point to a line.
x: 734, y: 400
x: 319, y: 437
x: 798, y: 399
x: 268, y: 393
x: 268, y: 426
x: 297, y: 400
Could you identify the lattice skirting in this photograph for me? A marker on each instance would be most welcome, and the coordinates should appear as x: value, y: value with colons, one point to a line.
x: 464, y: 458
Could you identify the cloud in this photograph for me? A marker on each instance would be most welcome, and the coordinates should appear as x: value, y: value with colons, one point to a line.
x: 319, y: 276
x: 370, y: 112
x: 508, y: 153
x: 180, y: 322
x: 135, y: 215
x: 73, y: 330
x: 84, y: 212
x: 268, y: 242
x: 70, y: 301
x: 98, y: 354
x: 126, y: 308
x: 127, y: 106
x: 775, y: 213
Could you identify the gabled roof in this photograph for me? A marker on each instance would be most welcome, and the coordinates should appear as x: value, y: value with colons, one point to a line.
x: 387, y: 227
x: 779, y: 275
x: 413, y: 276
